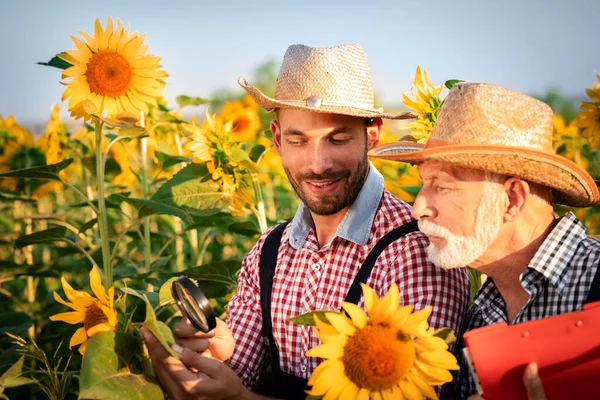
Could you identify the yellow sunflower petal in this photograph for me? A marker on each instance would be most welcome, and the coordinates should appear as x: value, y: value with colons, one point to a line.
x: 78, y: 337
x: 99, y: 328
x: 341, y: 323
x: 96, y: 285
x: 327, y: 350
x: 410, y: 391
x: 359, y: 318
x: 72, y: 317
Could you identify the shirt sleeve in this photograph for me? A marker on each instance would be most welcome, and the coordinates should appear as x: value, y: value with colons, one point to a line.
x: 245, y: 321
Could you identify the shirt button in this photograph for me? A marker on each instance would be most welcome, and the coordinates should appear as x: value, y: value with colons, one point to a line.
x: 316, y: 267
x: 303, y: 368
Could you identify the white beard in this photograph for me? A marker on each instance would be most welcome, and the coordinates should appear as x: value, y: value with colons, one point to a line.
x: 461, y: 251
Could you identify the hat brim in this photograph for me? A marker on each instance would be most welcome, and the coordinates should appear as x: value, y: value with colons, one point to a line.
x: 270, y: 104
x: 571, y: 184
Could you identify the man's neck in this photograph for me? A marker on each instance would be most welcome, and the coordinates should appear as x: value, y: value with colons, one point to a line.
x: 507, y: 260
x: 326, y: 225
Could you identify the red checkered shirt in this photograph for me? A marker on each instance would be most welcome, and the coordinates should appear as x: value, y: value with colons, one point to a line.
x: 311, y: 278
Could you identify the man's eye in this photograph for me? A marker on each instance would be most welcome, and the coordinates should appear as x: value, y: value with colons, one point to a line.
x: 295, y: 142
x: 442, y: 189
x: 340, y: 141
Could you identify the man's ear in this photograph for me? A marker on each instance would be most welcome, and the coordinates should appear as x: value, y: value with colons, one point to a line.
x: 373, y: 132
x: 276, y: 132
x: 519, y: 193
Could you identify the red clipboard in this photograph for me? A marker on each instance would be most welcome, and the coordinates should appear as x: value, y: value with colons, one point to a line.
x: 566, y: 348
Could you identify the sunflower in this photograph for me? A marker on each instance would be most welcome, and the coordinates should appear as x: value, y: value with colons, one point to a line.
x: 426, y: 103
x: 15, y: 139
x: 97, y: 314
x: 589, y: 117
x: 567, y: 141
x: 391, y: 355
x: 244, y: 118
x: 112, y: 70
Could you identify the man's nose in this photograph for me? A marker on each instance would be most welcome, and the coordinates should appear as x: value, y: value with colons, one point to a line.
x: 319, y: 160
x: 422, y: 208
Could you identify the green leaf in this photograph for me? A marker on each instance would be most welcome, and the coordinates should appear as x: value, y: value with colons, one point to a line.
x: 57, y: 62
x: 9, y: 195
x: 152, y: 297
x: 222, y: 271
x: 245, y: 228
x: 192, y: 189
x: 412, y: 190
x: 133, y: 132
x: 308, y: 319
x: 104, y: 373
x: 12, y: 377
x: 160, y: 262
x: 88, y: 225
x: 447, y: 334
x: 184, y: 101
x: 14, y: 322
x: 46, y: 236
x: 124, y: 272
x: 164, y: 294
x: 40, y: 172
x: 166, y: 117
x: 218, y: 221
x: 167, y: 160
x: 256, y: 152
x: 149, y: 207
x: 451, y: 82
x: 160, y: 330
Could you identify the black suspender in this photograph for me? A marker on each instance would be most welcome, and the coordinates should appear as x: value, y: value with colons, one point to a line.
x: 594, y: 292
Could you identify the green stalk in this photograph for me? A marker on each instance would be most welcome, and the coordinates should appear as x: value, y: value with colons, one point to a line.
x: 102, y: 217
x: 260, y: 204
x: 145, y: 190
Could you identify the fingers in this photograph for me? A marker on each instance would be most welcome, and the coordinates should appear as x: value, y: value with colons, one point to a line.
x: 533, y: 383
x: 475, y: 397
x: 184, y: 329
x: 162, y: 361
x: 195, y: 344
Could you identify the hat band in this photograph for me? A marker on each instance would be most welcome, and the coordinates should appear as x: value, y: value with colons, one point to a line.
x: 328, y: 103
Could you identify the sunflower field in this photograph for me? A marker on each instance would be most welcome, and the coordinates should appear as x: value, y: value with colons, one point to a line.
x: 97, y: 221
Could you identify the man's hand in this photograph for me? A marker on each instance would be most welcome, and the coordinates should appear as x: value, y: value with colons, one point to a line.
x: 217, y: 344
x: 533, y: 385
x: 214, y: 380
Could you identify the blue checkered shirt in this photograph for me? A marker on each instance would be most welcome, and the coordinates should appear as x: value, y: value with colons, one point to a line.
x: 557, y: 279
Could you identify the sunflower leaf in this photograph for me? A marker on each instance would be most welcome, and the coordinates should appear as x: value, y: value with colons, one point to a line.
x: 164, y: 294
x: 160, y: 330
x: 451, y: 82
x: 133, y: 132
x: 447, y: 334
x: 9, y: 195
x: 41, y: 172
x: 148, y: 207
x: 14, y: 322
x: 184, y: 101
x: 49, y: 235
x: 57, y: 62
x: 256, y: 152
x: 88, y: 225
x: 244, y: 228
x: 104, y: 373
x: 308, y: 319
x: 152, y: 297
x: 12, y: 377
x: 167, y: 160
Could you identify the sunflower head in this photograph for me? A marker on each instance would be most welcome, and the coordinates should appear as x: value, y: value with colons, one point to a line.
x: 112, y: 70
x: 389, y: 353
x: 589, y: 116
x: 97, y: 314
x: 426, y: 103
x: 244, y: 118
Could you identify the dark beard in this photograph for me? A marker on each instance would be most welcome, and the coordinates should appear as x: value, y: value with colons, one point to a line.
x: 332, y: 204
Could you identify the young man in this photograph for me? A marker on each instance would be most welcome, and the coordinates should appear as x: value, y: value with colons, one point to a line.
x: 489, y: 180
x: 325, y: 124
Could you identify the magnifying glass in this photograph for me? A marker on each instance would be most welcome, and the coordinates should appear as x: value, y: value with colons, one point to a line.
x: 193, y: 304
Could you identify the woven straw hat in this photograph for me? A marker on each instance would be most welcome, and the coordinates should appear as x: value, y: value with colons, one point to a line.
x: 491, y: 128
x: 334, y: 80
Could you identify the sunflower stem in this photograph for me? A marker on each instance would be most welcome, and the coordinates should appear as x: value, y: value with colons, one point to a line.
x: 260, y: 204
x: 102, y: 217
x: 145, y: 192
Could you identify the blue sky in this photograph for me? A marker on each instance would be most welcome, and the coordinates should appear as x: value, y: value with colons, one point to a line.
x: 526, y: 45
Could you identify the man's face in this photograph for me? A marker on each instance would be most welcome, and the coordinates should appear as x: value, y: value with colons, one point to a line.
x: 324, y: 156
x: 459, y: 211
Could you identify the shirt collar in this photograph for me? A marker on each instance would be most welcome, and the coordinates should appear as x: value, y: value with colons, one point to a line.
x: 356, y: 224
x: 552, y: 258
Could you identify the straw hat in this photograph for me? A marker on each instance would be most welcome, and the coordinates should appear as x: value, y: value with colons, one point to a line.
x: 490, y: 128
x: 334, y: 80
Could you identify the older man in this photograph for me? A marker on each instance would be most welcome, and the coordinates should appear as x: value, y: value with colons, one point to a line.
x: 489, y: 181
x: 348, y: 229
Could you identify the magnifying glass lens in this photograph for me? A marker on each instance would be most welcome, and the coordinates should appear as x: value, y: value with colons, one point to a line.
x: 193, y: 304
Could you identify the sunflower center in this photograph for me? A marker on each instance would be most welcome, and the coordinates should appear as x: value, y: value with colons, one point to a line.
x: 377, y: 357
x: 241, y: 124
x: 94, y: 316
x: 108, y: 74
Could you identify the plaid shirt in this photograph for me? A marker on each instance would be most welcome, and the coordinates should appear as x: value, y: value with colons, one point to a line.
x: 557, y: 279
x: 311, y: 278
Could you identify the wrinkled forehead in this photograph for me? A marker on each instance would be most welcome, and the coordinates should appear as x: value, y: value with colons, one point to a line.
x: 430, y: 170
